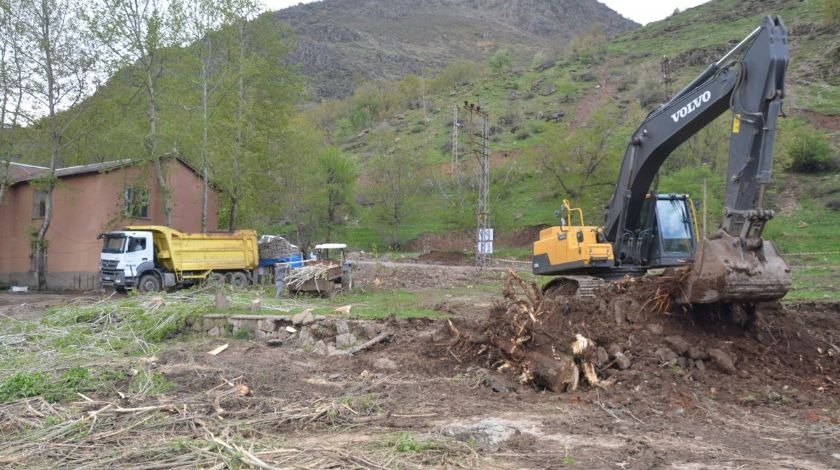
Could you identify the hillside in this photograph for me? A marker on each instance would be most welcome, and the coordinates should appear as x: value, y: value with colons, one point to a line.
x: 344, y: 42
x: 548, y: 120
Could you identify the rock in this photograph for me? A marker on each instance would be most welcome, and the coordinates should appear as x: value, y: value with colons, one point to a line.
x: 266, y: 325
x: 260, y: 335
x: 655, y: 328
x: 215, y: 331
x: 722, y: 360
x: 614, y: 349
x: 499, y: 383
x: 303, y: 318
x: 371, y: 329
x: 486, y: 433
x: 305, y: 337
x: 697, y: 353
x: 345, y: 340
x: 341, y: 327
x: 332, y: 351
x: 618, y: 313
x: 383, y: 363
x: 700, y: 365
x: 678, y: 344
x: 665, y: 355
x: 622, y: 361
x: 274, y: 342
x: 602, y: 357
x: 320, y: 348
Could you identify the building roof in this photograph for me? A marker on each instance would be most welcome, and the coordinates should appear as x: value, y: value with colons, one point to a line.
x: 19, y: 173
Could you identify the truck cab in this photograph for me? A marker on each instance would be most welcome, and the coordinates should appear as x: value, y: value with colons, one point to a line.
x: 125, y: 256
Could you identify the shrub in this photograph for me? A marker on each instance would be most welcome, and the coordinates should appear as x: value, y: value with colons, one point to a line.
x: 831, y: 11
x: 810, y: 153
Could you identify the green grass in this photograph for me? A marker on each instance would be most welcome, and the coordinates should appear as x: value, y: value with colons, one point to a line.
x: 377, y: 304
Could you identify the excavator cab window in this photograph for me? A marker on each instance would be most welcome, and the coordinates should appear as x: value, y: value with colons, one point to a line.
x: 674, y: 226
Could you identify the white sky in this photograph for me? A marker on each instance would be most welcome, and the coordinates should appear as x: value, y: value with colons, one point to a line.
x: 641, y: 11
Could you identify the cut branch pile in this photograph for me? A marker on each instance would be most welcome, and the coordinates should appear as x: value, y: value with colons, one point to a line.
x: 517, y: 339
x: 298, y: 276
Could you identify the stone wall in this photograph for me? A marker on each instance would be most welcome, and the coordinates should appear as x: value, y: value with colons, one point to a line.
x: 315, y: 333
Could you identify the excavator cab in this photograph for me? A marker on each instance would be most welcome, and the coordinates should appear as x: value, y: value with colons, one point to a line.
x: 666, y: 236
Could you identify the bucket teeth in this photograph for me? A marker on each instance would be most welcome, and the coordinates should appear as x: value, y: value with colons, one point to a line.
x: 726, y: 271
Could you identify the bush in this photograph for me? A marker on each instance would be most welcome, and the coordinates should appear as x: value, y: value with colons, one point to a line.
x: 831, y: 11
x: 810, y: 153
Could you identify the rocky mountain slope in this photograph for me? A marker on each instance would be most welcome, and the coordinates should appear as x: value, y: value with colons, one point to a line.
x: 342, y: 42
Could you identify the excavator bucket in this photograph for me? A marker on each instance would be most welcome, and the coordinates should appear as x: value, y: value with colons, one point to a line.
x: 726, y: 271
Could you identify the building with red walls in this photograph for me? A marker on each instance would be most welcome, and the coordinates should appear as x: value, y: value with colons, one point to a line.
x: 89, y: 200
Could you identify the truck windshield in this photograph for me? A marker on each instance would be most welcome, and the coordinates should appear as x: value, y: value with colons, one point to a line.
x: 674, y: 226
x: 114, y: 244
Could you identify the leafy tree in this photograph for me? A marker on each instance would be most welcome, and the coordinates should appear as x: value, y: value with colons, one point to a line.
x: 391, y: 186
x: 12, y: 70
x: 58, y: 79
x: 338, y: 175
x: 134, y: 33
x: 500, y: 61
x: 810, y: 152
x: 575, y: 161
x: 831, y: 11
x: 202, y: 18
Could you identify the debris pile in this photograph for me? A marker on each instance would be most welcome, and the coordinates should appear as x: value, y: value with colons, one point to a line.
x: 272, y: 247
x: 632, y: 336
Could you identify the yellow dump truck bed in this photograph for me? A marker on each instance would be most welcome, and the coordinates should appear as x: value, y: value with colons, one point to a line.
x: 201, y: 252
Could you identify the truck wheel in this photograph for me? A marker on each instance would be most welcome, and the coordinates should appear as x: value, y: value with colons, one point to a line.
x: 216, y: 279
x: 148, y: 283
x: 239, y: 280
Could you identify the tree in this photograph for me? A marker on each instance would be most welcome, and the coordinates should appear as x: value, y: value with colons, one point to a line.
x: 134, y: 33
x: 500, y: 61
x: 831, y: 11
x: 59, y: 79
x: 337, y: 174
x: 392, y: 184
x: 11, y: 85
x: 573, y: 161
x: 202, y: 18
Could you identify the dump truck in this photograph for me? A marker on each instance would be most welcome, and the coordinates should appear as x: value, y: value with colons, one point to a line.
x: 154, y: 258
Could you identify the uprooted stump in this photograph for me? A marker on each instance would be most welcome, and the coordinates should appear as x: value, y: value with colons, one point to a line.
x: 521, y: 337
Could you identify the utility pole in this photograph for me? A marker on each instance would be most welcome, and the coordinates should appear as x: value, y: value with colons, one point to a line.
x: 479, y: 144
x: 456, y: 167
x: 666, y: 74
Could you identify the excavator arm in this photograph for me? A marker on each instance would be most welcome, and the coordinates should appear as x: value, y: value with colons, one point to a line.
x: 736, y: 264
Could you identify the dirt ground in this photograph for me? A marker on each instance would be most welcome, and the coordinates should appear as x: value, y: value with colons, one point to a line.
x: 419, y: 400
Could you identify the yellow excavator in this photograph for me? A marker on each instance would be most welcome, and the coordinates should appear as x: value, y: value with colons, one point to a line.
x: 644, y: 230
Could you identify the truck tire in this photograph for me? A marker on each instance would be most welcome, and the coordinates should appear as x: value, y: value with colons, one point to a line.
x: 215, y: 279
x: 149, y: 283
x: 239, y: 280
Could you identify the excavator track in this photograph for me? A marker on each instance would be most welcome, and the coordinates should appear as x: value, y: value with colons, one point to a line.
x: 577, y: 286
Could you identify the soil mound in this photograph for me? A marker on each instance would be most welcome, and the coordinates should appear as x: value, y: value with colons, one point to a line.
x: 444, y: 257
x: 630, y: 336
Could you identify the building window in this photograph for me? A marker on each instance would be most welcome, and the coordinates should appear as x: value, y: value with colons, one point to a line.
x: 39, y: 206
x: 136, y: 202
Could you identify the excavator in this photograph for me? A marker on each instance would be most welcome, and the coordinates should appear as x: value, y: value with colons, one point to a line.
x: 645, y: 230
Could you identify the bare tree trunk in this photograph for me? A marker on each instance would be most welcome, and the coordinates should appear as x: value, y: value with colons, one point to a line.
x: 151, y: 145
x: 204, y: 168
x: 240, y: 116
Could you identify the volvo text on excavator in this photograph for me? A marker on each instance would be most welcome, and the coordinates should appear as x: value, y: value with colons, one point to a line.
x: 645, y: 230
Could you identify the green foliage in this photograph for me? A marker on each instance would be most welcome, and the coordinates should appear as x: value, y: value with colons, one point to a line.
x: 810, y: 152
x: 500, y: 61
x: 52, y: 387
x: 831, y: 11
